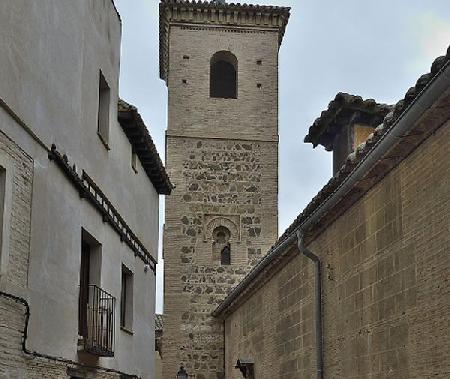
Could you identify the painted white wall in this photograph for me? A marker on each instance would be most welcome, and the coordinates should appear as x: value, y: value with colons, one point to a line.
x: 52, y: 52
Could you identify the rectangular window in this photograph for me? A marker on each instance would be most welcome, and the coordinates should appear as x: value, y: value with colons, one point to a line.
x: 2, y: 217
x: 134, y: 161
x: 90, y: 269
x: 83, y: 299
x: 103, y: 110
x: 6, y: 190
x: 126, y: 300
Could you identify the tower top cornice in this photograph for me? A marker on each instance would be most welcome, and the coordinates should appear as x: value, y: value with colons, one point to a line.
x: 216, y: 13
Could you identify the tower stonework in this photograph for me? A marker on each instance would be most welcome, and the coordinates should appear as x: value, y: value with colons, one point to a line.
x: 220, y: 63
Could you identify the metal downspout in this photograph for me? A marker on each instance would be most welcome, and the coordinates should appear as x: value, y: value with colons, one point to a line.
x: 317, y: 301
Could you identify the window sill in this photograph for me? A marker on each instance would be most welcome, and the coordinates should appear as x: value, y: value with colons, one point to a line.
x: 103, y: 141
x: 127, y: 331
x: 223, y: 98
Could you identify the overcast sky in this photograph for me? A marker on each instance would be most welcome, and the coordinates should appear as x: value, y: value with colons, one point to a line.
x: 372, y: 48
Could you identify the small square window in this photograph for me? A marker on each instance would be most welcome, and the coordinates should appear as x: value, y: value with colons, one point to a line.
x: 104, y: 100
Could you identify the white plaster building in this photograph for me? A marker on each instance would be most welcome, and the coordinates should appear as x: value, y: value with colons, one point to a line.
x: 80, y: 180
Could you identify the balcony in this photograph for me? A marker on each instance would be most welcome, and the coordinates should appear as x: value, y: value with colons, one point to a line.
x: 96, y: 321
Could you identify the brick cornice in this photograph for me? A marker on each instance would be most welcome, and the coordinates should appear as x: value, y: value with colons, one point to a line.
x: 178, y: 12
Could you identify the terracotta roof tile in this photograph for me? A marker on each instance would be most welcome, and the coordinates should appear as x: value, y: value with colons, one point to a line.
x: 389, y: 122
x: 143, y: 145
x: 341, y: 110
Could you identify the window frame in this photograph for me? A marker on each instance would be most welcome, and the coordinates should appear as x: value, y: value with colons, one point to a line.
x: 126, y: 316
x: 7, y: 173
x: 229, y: 58
x: 103, y: 110
x: 93, y: 272
x: 134, y: 161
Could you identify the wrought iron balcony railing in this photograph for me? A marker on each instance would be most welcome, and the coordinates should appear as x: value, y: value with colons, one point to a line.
x: 97, y: 321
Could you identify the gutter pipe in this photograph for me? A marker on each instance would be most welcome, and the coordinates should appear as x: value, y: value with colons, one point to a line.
x: 24, y: 303
x: 401, y: 127
x: 405, y: 122
x: 317, y: 301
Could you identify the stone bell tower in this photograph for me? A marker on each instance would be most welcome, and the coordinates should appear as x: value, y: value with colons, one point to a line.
x: 220, y: 63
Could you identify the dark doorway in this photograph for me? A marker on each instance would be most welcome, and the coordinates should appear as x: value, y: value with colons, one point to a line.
x: 84, y: 289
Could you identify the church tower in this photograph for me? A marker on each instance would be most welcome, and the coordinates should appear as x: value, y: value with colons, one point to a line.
x: 220, y: 63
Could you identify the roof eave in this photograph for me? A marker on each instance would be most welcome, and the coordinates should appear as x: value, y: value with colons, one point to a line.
x: 156, y: 172
x: 425, y: 86
x: 165, y: 22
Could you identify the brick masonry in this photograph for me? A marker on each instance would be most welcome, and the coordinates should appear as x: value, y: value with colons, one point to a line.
x: 386, y: 286
x: 20, y: 220
x: 222, y: 156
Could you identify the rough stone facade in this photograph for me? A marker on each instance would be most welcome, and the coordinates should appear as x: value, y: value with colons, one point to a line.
x: 222, y: 157
x: 386, y: 292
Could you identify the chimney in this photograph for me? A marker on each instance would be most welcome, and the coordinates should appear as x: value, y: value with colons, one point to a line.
x: 347, y: 123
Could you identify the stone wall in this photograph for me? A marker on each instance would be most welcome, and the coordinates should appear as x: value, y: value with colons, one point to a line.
x: 222, y: 156
x: 221, y: 183
x: 386, y: 292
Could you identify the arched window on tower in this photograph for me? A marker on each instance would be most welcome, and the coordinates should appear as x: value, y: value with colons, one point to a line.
x: 223, y: 75
x: 222, y: 244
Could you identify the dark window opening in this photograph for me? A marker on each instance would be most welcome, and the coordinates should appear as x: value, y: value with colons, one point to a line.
x: 2, y: 209
x: 90, y: 271
x: 223, y: 75
x: 134, y: 161
x: 83, y: 299
x: 225, y: 255
x: 104, y: 98
x: 222, y: 245
x: 126, y: 299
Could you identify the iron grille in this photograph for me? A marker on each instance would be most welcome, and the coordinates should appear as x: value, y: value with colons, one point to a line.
x: 99, y: 331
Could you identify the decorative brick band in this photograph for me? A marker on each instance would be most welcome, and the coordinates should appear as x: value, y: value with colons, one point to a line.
x: 224, y: 29
x: 231, y: 16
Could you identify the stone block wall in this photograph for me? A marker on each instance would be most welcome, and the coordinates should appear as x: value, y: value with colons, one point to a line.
x: 222, y: 156
x: 386, y: 286
x: 230, y: 183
